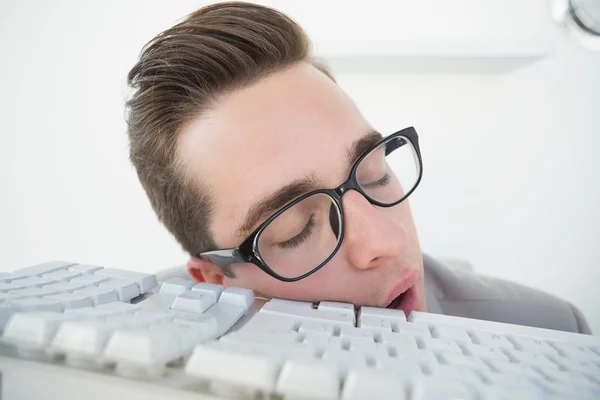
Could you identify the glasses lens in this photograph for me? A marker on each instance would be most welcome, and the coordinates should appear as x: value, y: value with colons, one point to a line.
x: 302, y: 237
x: 390, y: 171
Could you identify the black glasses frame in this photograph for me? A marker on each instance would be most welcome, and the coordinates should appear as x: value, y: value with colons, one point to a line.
x: 247, y: 251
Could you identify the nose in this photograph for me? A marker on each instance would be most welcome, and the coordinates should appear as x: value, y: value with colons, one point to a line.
x: 370, y: 236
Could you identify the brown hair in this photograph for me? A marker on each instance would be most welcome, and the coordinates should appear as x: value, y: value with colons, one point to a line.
x: 180, y: 75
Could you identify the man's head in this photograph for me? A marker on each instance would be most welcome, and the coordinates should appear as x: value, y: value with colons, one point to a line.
x: 229, y: 108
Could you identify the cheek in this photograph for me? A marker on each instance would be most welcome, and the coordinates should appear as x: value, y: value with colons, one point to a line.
x: 400, y: 213
x: 313, y: 288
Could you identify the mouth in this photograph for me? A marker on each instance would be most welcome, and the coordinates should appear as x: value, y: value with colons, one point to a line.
x: 404, y: 295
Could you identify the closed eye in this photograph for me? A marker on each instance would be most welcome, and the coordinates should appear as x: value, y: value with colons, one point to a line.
x: 301, y: 237
x: 378, y: 183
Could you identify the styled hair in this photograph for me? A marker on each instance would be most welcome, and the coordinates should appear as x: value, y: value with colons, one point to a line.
x: 180, y: 75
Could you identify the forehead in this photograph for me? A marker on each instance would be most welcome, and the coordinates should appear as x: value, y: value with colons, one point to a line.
x: 292, y: 124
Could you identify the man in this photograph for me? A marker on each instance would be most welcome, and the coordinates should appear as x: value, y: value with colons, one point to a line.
x: 270, y: 178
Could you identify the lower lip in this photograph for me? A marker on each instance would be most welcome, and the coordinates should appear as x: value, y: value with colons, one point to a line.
x: 410, y: 302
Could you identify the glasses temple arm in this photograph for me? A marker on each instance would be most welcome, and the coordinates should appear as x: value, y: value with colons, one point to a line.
x: 224, y: 257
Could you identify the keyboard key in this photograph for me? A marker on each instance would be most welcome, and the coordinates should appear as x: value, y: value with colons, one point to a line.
x: 574, y: 364
x: 64, y: 275
x: 406, y: 369
x: 387, y: 313
x: 255, y: 371
x: 291, y: 303
x: 85, y: 268
x: 509, y: 368
x: 91, y: 313
x: 403, y: 343
x: 32, y: 292
x: 412, y: 328
x: 200, y: 330
x: 575, y: 351
x: 191, y: 335
x: 504, y: 379
x: 145, y: 282
x: 193, y: 301
x: 491, y: 339
x: 375, y: 323
x: 126, y: 288
x: 83, y: 337
x: 35, y: 304
x: 371, y: 350
x: 475, y: 363
x: 63, y: 286
x: 532, y: 345
x: 314, y: 326
x: 321, y: 340
x: 98, y: 295
x: 121, y: 307
x: 357, y: 334
x: 513, y: 392
x: 343, y: 359
x: 262, y: 322
x: 41, y: 269
x: 341, y: 318
x: 335, y: 306
x: 430, y: 388
x: 439, y: 345
x: 209, y: 289
x: 372, y: 384
x: 461, y: 373
x: 70, y: 300
x: 89, y: 280
x: 142, y: 346
x: 451, y: 333
x: 236, y: 296
x: 176, y: 286
x: 568, y: 378
x: 6, y: 277
x: 279, y: 339
x: 240, y: 344
x: 6, y: 311
x: 485, y: 352
x: 34, y: 329
x: 153, y: 317
x: 533, y: 359
x: 35, y: 281
x: 308, y: 380
x: 561, y: 391
x: 225, y: 314
x: 10, y: 295
x: 10, y: 286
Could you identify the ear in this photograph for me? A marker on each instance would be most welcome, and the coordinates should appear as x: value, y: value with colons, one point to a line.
x: 203, y: 270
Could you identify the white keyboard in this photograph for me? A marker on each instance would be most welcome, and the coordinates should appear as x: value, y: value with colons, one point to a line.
x: 89, y: 316
x: 163, y: 341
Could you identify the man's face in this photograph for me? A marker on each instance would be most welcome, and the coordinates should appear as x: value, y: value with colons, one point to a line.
x: 289, y: 126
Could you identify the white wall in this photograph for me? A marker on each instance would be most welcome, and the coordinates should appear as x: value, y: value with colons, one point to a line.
x: 511, y: 175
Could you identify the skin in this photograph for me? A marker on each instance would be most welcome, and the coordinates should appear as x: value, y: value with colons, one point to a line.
x: 289, y: 125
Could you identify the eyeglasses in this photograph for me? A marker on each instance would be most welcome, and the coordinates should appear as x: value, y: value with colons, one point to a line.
x: 305, y: 234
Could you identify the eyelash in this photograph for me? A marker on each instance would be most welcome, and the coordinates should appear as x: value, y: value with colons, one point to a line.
x: 301, y: 237
x: 380, y: 183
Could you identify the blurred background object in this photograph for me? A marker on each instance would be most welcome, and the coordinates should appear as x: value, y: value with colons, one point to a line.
x: 581, y: 19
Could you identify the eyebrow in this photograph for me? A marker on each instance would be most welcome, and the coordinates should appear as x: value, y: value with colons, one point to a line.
x: 360, y: 146
x: 275, y: 201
